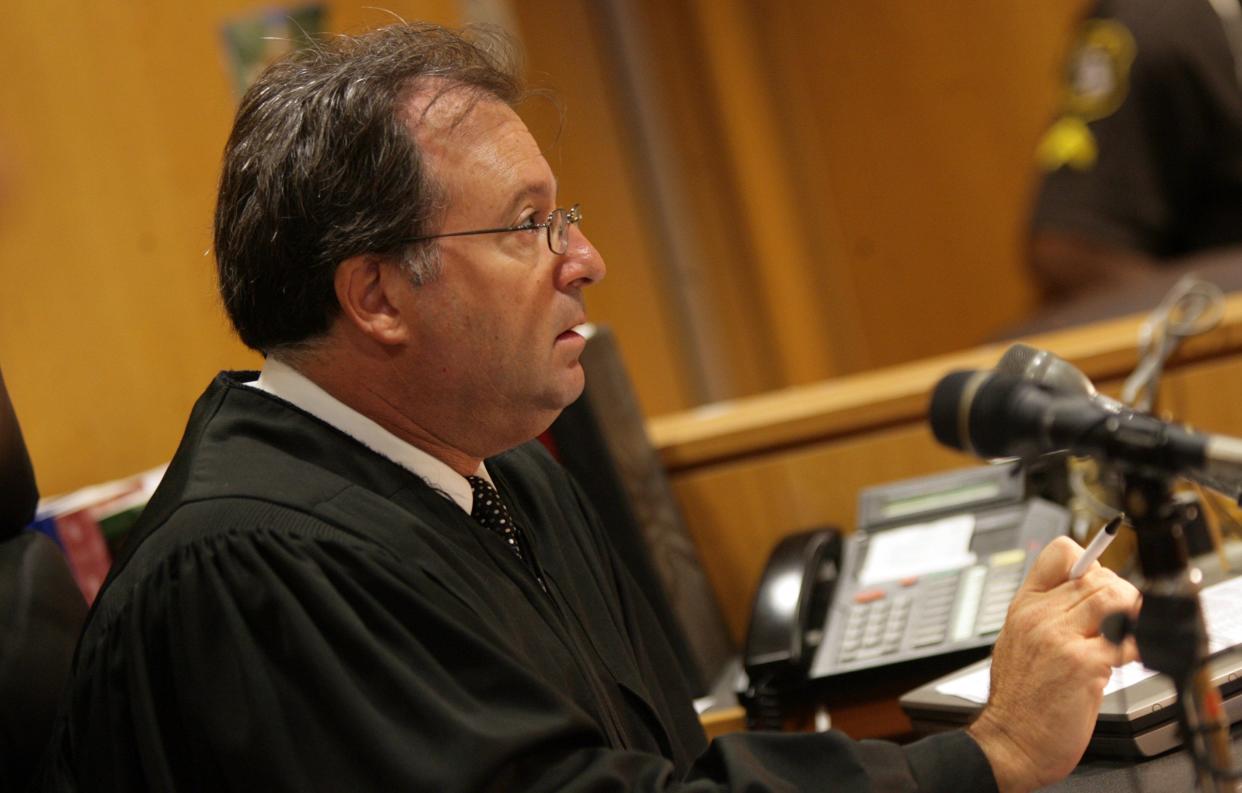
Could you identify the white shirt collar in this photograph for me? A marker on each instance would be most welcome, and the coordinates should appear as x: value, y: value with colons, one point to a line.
x: 283, y: 381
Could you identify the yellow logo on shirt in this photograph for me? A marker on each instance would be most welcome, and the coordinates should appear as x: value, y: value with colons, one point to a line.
x: 1096, y: 82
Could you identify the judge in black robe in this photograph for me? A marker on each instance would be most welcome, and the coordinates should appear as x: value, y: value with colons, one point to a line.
x: 296, y: 612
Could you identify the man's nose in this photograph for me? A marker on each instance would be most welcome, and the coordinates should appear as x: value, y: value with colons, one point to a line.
x: 581, y: 265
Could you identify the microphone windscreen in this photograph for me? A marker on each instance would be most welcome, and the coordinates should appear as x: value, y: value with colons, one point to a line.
x: 946, y: 411
x: 993, y: 426
x: 1017, y: 358
x: 1046, y: 369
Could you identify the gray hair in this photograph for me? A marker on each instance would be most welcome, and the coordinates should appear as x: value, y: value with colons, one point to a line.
x: 321, y: 166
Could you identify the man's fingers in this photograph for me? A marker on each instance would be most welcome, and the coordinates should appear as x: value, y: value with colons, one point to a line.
x: 1099, y: 593
x: 1127, y: 652
x: 1053, y: 564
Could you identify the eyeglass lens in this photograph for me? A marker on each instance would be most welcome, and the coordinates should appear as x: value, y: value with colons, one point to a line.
x: 558, y: 228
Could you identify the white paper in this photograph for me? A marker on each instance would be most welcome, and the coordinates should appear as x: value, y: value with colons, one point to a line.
x: 918, y: 550
x: 1222, y: 615
x: 1126, y: 676
x: 974, y: 686
x: 1221, y: 612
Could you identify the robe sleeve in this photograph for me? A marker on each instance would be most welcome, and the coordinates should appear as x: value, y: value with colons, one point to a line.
x: 293, y: 659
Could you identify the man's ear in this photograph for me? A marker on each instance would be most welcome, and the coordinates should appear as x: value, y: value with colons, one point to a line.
x: 367, y: 288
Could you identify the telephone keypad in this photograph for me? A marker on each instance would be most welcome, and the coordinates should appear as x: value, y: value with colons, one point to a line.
x: 1003, y: 580
x: 971, y: 601
x: 875, y: 626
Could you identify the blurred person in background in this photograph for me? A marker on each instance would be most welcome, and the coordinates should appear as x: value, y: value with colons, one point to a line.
x: 1143, y: 166
x: 41, y: 612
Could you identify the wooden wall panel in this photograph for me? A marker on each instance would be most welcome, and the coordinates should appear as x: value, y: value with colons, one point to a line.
x: 1208, y: 394
x: 115, y: 115
x: 751, y: 119
x: 867, y: 166
x: 592, y: 159
x: 915, y: 124
x: 680, y: 99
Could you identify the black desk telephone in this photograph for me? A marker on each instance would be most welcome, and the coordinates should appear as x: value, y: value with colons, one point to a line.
x: 930, y: 570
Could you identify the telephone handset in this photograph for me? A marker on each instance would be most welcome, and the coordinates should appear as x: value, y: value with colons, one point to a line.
x: 787, y: 619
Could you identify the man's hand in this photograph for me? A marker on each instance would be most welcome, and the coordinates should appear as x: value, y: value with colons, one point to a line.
x: 1049, y: 669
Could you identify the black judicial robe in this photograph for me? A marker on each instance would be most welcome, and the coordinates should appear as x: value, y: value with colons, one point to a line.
x: 296, y: 612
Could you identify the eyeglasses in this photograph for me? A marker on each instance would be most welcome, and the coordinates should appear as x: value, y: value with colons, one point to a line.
x: 557, y: 224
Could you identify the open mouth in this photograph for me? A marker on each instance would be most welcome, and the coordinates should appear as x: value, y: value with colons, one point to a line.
x: 583, y: 330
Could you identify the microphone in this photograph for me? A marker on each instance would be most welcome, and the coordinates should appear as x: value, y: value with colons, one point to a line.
x: 1000, y: 414
x: 1048, y: 369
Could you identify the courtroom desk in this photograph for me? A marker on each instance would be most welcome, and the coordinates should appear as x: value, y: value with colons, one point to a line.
x: 749, y: 472
x: 861, y: 705
x: 873, y: 712
x: 866, y: 704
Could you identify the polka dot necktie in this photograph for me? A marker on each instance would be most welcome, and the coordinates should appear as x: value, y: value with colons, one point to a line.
x: 491, y: 513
